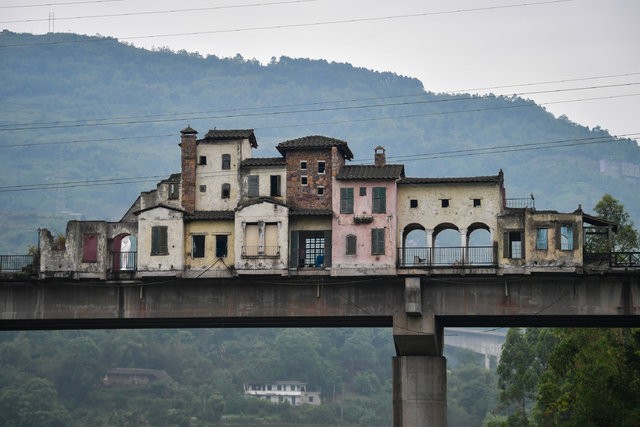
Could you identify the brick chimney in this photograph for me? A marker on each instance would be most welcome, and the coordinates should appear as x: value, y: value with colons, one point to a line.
x: 380, y: 158
x: 188, y: 157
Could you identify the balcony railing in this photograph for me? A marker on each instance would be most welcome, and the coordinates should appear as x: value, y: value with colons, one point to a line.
x: 15, y: 262
x: 260, y: 251
x: 125, y: 261
x: 521, y: 203
x: 422, y: 257
x: 614, y: 259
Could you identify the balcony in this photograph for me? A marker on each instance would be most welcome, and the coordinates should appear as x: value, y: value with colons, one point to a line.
x: 521, y: 203
x: 260, y: 251
x: 422, y: 257
x: 125, y: 261
x: 613, y: 259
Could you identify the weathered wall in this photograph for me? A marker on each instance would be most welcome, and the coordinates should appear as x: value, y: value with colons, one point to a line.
x: 262, y: 213
x: 306, y: 196
x: 264, y: 181
x: 364, y: 262
x: 210, y: 265
x: 171, y: 263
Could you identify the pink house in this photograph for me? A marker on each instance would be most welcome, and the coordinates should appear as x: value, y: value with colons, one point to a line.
x: 364, y: 220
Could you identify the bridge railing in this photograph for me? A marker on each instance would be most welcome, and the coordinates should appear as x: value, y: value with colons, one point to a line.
x: 15, y: 262
x: 422, y: 257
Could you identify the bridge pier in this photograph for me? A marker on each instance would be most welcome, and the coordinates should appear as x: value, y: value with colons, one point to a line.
x: 419, y: 369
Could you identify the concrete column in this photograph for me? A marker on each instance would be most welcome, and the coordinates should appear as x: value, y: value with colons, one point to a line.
x: 419, y: 391
x: 463, y: 244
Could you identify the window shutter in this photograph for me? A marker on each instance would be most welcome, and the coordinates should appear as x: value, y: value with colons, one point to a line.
x: 293, y: 250
x: 377, y: 241
x: 327, y: 248
x: 346, y: 200
x: 159, y: 244
x: 522, y: 247
x: 352, y: 242
x: 558, y: 236
x: 379, y: 200
x: 253, y: 182
x: 154, y: 240
x: 90, y: 248
x: 574, y: 229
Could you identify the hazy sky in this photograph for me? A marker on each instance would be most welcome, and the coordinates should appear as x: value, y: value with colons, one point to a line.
x: 589, y: 49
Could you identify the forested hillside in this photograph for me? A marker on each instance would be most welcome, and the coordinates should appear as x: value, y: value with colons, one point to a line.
x: 103, y: 118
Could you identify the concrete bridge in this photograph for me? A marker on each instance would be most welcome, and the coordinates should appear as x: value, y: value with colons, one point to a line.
x: 416, y: 308
x: 485, y: 342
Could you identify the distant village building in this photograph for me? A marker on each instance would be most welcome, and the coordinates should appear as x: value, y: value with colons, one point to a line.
x: 292, y: 392
x: 130, y: 377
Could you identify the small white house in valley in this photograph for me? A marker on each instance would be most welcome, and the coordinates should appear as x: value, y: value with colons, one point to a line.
x: 292, y: 392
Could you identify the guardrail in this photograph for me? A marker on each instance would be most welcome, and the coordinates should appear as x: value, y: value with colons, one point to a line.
x: 446, y: 256
x: 260, y: 251
x: 15, y: 262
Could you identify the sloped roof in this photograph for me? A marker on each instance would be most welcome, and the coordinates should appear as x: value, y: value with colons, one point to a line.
x: 453, y: 180
x: 263, y: 161
x: 208, y: 215
x: 310, y: 212
x: 313, y: 142
x: 228, y: 134
x: 355, y: 172
x: 159, y: 206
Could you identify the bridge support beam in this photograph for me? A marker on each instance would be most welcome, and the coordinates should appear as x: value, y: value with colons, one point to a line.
x: 419, y: 369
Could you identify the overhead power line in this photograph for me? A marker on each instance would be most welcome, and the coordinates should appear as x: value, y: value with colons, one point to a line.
x: 58, y: 4
x: 182, y: 117
x: 159, y: 12
x: 301, y: 25
x: 545, y: 145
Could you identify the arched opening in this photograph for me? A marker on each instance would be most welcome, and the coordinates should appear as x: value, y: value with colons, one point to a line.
x: 479, y: 245
x: 125, y: 251
x: 446, y: 245
x: 414, y: 246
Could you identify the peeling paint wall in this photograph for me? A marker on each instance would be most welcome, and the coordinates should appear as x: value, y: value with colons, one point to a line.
x: 209, y: 265
x: 260, y: 256
x: 264, y: 181
x: 171, y: 263
x: 364, y: 261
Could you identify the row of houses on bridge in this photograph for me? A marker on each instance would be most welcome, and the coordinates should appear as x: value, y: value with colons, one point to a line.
x: 309, y: 212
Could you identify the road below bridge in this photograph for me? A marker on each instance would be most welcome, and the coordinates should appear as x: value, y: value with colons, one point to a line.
x: 416, y: 308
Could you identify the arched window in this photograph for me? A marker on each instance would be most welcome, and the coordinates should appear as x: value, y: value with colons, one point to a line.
x: 226, y: 191
x: 351, y: 244
x: 226, y: 161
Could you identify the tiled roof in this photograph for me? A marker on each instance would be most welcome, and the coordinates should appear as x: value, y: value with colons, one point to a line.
x: 370, y: 172
x: 206, y: 215
x: 310, y: 212
x: 315, y: 141
x: 264, y: 161
x: 227, y: 134
x: 453, y: 180
x: 160, y: 205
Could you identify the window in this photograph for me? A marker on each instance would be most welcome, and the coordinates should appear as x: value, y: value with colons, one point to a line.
x: 226, y: 161
x: 379, y: 200
x: 363, y: 191
x: 203, y: 188
x: 413, y: 203
x: 314, y: 251
x: 221, y: 246
x: 202, y: 160
x: 159, y: 244
x: 566, y: 237
x: 321, y: 167
x: 541, y: 239
x: 226, y: 191
x: 445, y: 203
x: 351, y: 244
x: 254, y: 185
x: 320, y: 190
x: 513, y: 245
x: 477, y: 203
x: 173, y: 191
x: 346, y: 200
x: 197, y: 246
x: 275, y: 184
x: 303, y: 165
x: 377, y: 241
x: 304, y: 180
x: 89, y: 248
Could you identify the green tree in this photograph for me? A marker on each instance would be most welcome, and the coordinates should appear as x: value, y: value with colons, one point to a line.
x: 626, y: 238
x: 593, y: 379
x: 32, y: 403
